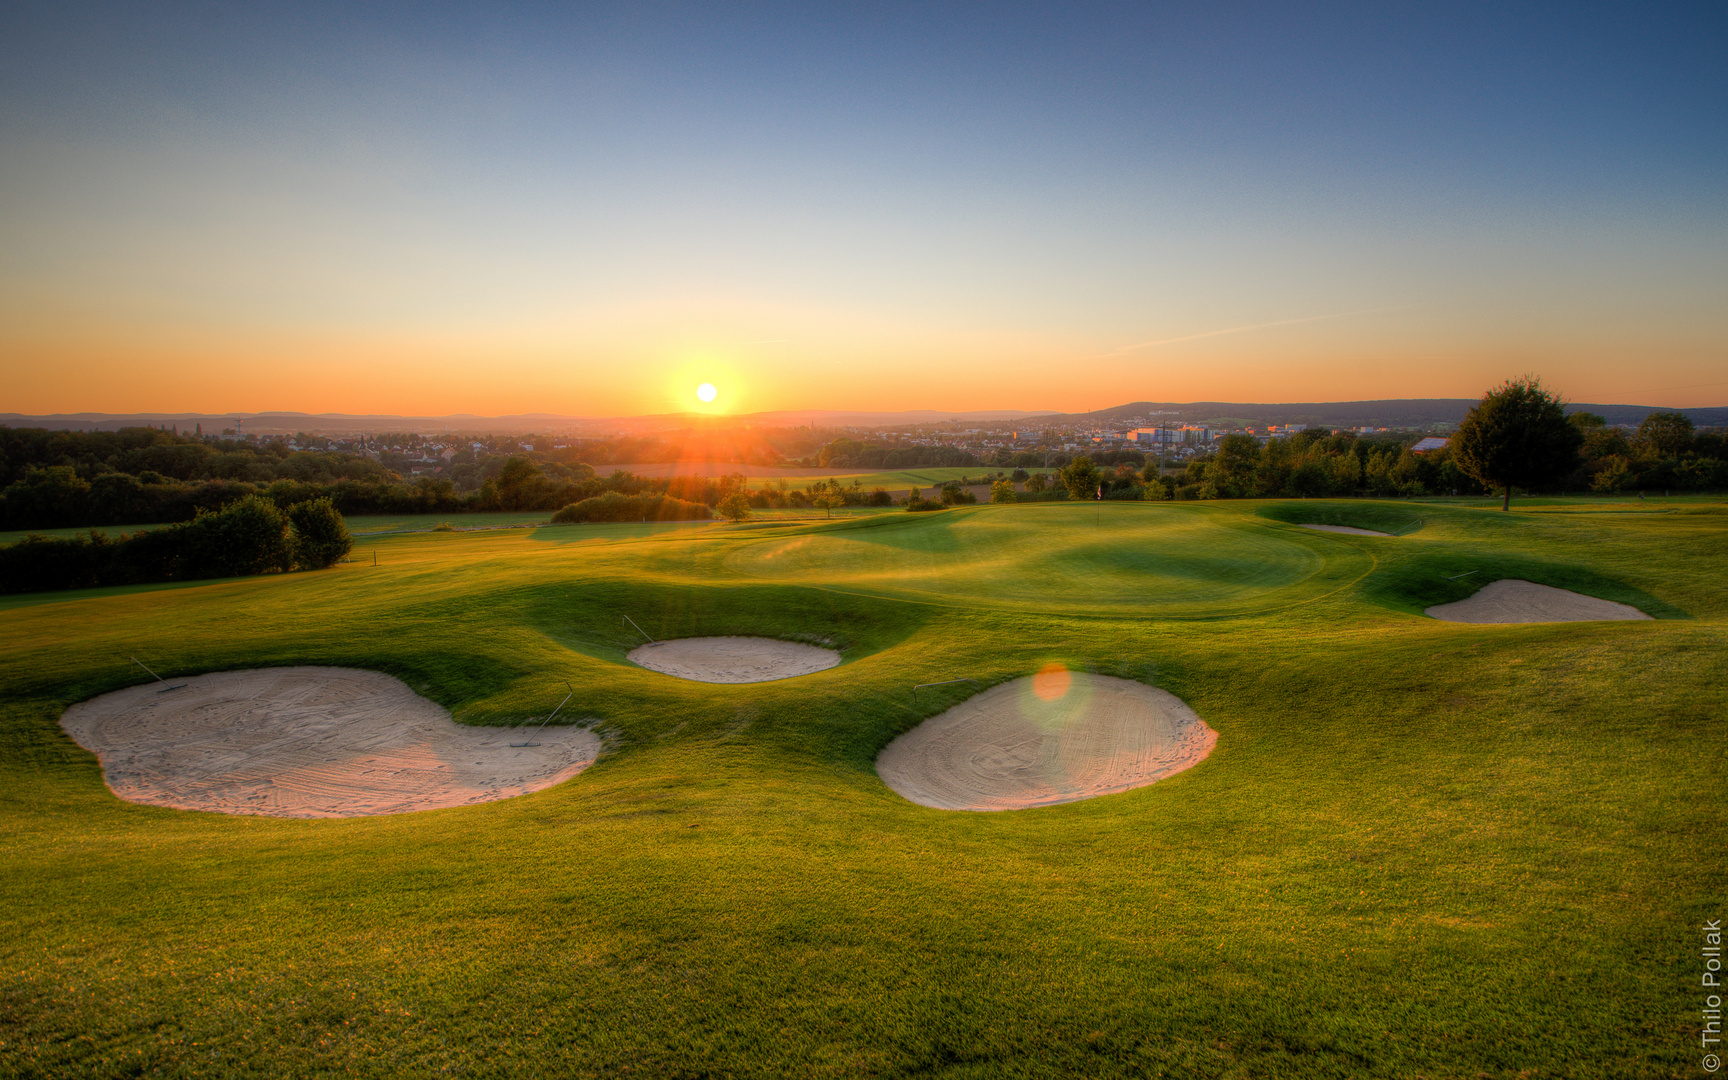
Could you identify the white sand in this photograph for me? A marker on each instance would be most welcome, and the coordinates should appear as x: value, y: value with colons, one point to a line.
x: 1008, y: 748
x: 1513, y: 601
x: 1346, y: 529
x: 311, y: 742
x: 733, y: 659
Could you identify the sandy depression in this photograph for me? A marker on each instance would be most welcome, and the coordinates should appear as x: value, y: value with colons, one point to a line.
x: 1512, y: 601
x: 311, y: 742
x: 733, y: 659
x: 1053, y: 738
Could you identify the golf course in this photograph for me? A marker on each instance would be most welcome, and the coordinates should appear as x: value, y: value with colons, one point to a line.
x: 1416, y: 847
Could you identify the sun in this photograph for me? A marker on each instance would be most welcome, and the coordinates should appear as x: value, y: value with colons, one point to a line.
x: 706, y: 392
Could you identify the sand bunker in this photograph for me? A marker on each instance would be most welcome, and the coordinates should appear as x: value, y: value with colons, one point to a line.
x: 1346, y: 529
x: 734, y: 659
x: 311, y: 742
x: 1513, y: 601
x: 1054, y: 738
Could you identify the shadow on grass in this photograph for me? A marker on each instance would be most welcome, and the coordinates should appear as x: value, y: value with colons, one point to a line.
x: 1441, y: 577
x: 588, y: 617
x: 1399, y: 519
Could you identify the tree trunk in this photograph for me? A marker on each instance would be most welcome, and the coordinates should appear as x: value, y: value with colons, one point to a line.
x: 1506, y: 504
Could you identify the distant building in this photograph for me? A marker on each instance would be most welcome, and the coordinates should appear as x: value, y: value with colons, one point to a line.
x: 1429, y: 444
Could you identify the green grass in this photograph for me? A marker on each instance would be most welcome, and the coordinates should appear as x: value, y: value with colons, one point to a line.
x: 894, y: 480
x: 1419, y: 849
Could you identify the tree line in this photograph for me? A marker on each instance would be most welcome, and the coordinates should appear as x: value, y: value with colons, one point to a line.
x: 1518, y: 436
x: 144, y: 476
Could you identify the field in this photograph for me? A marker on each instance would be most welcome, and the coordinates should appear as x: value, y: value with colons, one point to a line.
x: 1419, y: 848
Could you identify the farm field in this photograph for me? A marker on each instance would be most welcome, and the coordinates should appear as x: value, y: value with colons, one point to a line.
x: 760, y: 476
x: 897, y: 481
x: 1418, y: 848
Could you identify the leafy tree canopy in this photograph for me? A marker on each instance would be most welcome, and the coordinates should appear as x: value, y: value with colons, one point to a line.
x: 1081, y: 478
x: 1668, y: 433
x: 1517, y: 435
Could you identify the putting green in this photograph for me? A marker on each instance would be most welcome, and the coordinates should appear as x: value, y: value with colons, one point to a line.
x: 1167, y: 560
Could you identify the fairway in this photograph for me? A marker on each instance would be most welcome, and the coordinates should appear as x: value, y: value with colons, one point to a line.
x: 1416, y: 847
x: 1079, y: 558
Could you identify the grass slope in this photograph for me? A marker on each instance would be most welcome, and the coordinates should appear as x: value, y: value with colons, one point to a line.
x: 1420, y: 848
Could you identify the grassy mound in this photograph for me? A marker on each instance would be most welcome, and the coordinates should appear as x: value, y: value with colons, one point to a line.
x: 1158, y: 559
x: 1396, y: 518
x: 1410, y: 832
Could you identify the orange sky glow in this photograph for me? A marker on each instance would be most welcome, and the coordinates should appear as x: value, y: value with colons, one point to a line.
x: 591, y: 216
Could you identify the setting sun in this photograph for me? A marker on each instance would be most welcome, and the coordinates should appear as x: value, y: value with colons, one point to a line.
x: 706, y: 392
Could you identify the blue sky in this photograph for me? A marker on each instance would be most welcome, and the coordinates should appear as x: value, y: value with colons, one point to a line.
x: 588, y: 209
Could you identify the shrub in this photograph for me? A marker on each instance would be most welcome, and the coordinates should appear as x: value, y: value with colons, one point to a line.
x: 249, y: 536
x: 919, y: 505
x: 246, y: 537
x: 321, y: 537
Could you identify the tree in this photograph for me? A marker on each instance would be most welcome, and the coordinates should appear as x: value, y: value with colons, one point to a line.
x: 735, y: 506
x: 828, y: 500
x: 1616, y: 473
x: 1667, y: 433
x: 320, y: 535
x: 1002, y: 491
x: 1081, y: 478
x: 1517, y: 434
x: 522, y: 486
x: 1237, y: 460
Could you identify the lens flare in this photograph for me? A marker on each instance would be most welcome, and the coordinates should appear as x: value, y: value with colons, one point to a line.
x: 1051, y: 682
x: 706, y: 392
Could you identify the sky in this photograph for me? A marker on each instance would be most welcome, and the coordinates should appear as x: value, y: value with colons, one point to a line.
x: 593, y: 209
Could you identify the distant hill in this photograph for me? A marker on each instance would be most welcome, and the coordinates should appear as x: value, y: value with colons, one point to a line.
x: 1391, y: 412
x: 286, y: 423
x: 1395, y: 412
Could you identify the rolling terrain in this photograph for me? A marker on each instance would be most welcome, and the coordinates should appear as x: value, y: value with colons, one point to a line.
x: 1418, y: 848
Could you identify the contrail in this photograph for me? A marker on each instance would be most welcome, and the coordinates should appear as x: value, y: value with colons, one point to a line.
x: 1252, y: 326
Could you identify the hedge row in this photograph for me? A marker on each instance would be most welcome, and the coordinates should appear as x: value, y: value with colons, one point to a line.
x: 249, y: 536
